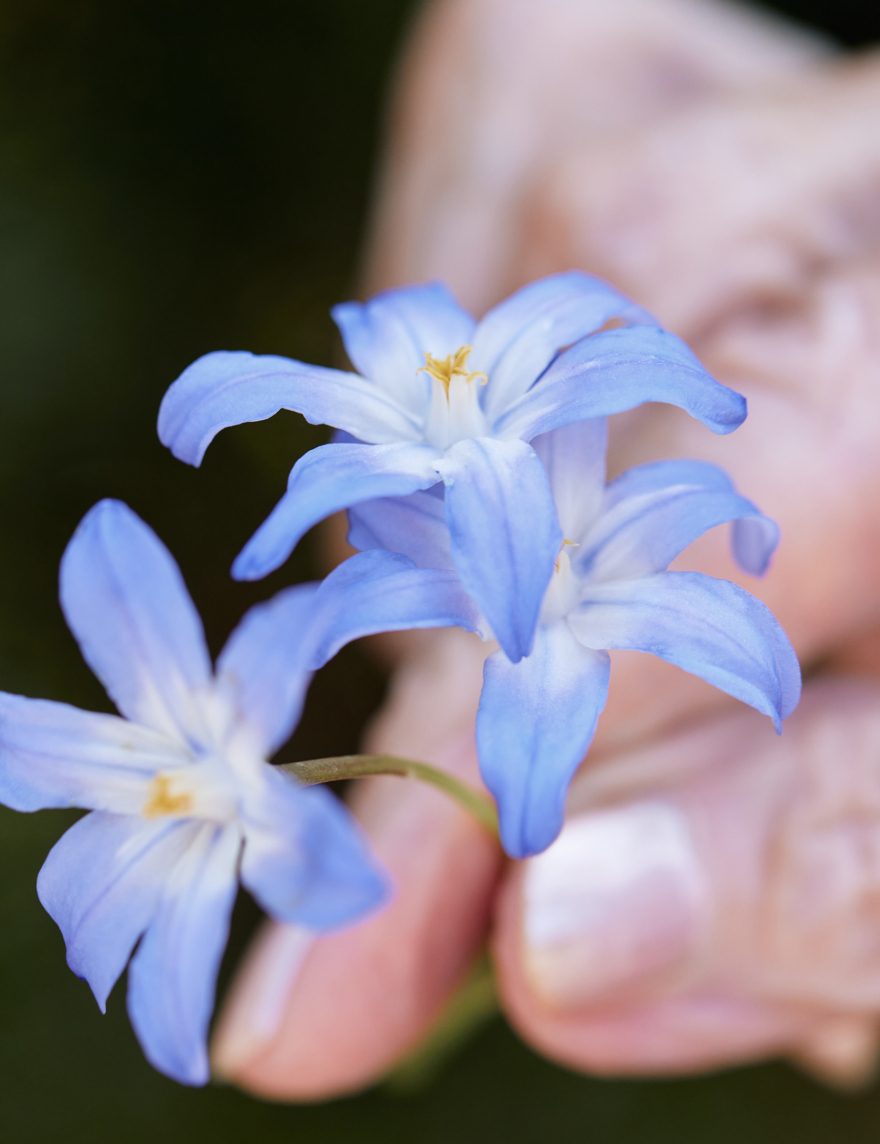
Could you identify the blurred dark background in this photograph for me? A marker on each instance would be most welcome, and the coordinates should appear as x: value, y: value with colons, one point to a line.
x: 174, y: 178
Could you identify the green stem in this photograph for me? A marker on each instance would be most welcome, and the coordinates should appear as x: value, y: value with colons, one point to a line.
x: 313, y: 771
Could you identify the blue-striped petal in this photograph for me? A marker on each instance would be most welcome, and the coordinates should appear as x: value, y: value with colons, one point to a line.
x: 327, y: 479
x: 517, y: 339
x: 224, y: 389
x: 101, y: 885
x: 304, y: 859
x: 754, y: 537
x: 618, y: 370
x: 127, y: 605
x: 534, y: 726
x: 265, y: 668
x: 644, y: 534
x: 642, y: 479
x: 173, y: 975
x: 55, y: 755
x: 504, y: 532
x: 379, y: 591
x: 708, y: 627
x: 574, y: 457
x: 414, y: 526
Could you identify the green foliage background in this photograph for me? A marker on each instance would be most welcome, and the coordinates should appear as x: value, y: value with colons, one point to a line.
x: 177, y: 177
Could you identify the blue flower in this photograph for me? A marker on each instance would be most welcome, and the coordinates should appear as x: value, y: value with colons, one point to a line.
x: 441, y: 398
x: 610, y: 589
x: 182, y: 803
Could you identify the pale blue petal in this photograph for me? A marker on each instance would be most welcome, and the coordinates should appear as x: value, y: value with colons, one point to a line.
x: 504, y: 531
x: 644, y: 534
x: 381, y: 591
x: 574, y: 457
x: 127, y: 605
x: 305, y: 860
x: 711, y: 628
x: 534, y: 726
x: 754, y: 539
x: 101, y: 885
x: 327, y: 479
x: 173, y: 975
x: 265, y: 668
x: 648, y: 478
x: 55, y: 755
x: 387, y: 338
x: 415, y: 526
x: 223, y: 389
x: 517, y: 340
x: 618, y: 370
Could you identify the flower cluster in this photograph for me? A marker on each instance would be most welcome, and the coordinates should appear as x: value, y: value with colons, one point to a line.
x: 471, y: 458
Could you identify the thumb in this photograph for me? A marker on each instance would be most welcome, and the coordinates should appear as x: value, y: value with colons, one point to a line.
x: 714, y: 901
x: 736, y: 202
x: 310, y: 1017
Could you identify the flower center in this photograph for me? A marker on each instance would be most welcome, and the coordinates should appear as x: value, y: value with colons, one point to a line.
x: 454, y: 411
x: 566, y: 543
x: 452, y: 366
x: 162, y: 799
x: 564, y: 588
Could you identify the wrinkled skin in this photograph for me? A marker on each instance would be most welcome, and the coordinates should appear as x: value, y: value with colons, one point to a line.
x: 724, y: 171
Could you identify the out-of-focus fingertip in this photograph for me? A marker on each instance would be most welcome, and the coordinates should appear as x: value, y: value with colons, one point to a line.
x: 253, y: 1012
x: 615, y: 902
x: 843, y: 1052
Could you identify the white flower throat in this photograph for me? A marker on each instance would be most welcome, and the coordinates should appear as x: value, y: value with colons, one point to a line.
x: 563, y: 591
x: 455, y: 412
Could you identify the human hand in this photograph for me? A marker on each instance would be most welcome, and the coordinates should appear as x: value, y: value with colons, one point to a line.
x: 712, y: 897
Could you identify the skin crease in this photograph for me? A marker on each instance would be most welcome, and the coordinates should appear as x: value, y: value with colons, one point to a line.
x: 723, y: 170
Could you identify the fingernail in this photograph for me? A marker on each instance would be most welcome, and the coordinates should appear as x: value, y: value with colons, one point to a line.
x: 616, y: 903
x: 253, y: 1013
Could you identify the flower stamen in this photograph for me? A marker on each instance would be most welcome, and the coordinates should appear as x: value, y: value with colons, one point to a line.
x: 162, y: 800
x: 566, y: 543
x: 454, y: 365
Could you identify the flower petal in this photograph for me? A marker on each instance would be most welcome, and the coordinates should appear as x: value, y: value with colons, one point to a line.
x: 618, y: 370
x: 172, y: 977
x: 574, y: 457
x: 55, y: 755
x: 101, y: 885
x: 504, y: 531
x: 327, y: 479
x: 644, y: 534
x: 381, y: 591
x: 711, y: 628
x: 754, y: 540
x: 648, y: 478
x: 387, y: 338
x: 414, y: 526
x: 304, y: 859
x: 223, y: 389
x: 264, y: 670
x: 517, y: 339
x: 127, y: 605
x: 535, y: 723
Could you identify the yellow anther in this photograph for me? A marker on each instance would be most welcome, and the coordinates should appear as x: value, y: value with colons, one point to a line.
x: 566, y: 543
x: 445, y: 369
x: 162, y: 800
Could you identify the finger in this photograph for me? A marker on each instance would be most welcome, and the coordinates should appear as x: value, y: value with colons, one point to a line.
x: 807, y: 455
x: 714, y: 899
x: 734, y: 201
x: 842, y: 1051
x: 860, y: 656
x: 309, y: 1018
x: 472, y: 126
